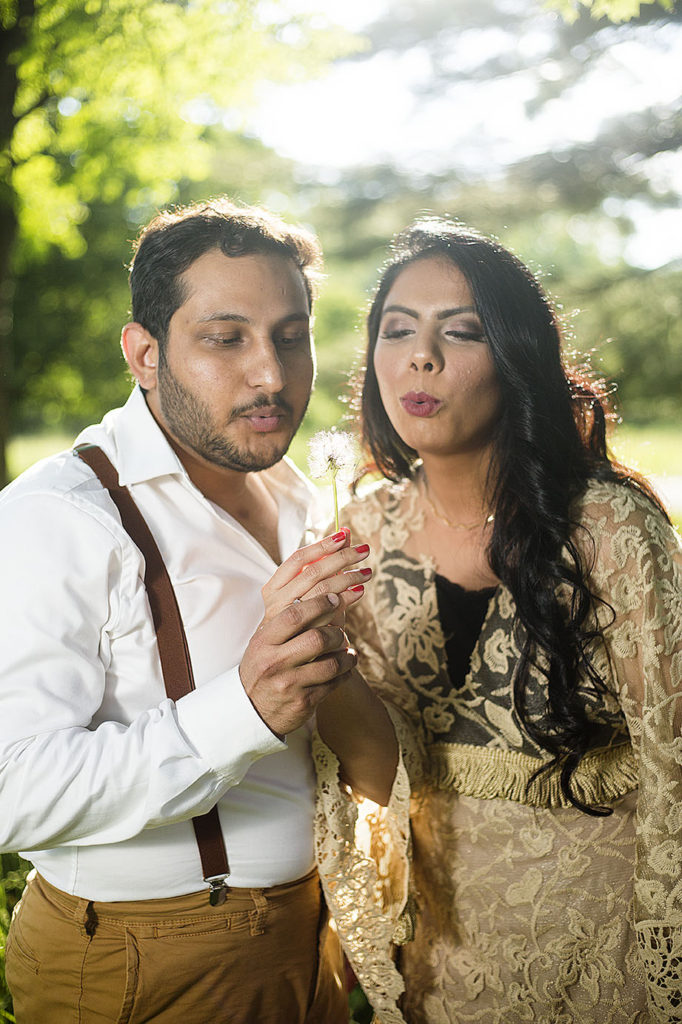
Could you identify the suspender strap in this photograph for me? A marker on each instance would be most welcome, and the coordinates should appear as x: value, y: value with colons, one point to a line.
x: 176, y: 664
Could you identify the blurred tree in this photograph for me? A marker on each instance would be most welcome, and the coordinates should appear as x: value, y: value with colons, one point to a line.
x: 571, y: 208
x: 494, y: 44
x: 68, y: 312
x: 614, y: 10
x: 106, y: 101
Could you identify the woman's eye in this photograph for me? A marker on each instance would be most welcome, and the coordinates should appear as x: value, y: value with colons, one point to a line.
x: 293, y: 339
x: 394, y: 333
x: 466, y: 335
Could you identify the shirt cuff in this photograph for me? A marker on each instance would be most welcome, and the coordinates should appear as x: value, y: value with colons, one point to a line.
x: 222, y: 725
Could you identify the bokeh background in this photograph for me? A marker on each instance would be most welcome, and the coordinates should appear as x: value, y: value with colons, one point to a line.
x: 556, y: 126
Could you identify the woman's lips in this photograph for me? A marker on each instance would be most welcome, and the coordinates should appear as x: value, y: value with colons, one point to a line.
x: 418, y: 403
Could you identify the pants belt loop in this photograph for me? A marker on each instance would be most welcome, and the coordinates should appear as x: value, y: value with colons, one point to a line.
x: 85, y: 917
x: 258, y: 916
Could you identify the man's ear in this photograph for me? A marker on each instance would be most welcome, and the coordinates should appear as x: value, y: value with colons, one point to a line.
x: 141, y: 351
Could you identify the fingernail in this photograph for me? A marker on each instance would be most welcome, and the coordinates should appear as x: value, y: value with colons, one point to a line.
x: 338, y: 537
x: 334, y: 599
x: 362, y: 549
x: 366, y: 572
x: 357, y: 590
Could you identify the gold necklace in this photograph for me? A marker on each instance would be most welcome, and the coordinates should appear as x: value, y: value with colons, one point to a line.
x: 448, y: 522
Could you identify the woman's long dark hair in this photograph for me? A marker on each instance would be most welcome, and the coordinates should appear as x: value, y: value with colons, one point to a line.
x: 549, y: 442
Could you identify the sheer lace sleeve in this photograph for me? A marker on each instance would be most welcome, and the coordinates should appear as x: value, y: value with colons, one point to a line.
x: 363, y: 850
x: 639, y: 573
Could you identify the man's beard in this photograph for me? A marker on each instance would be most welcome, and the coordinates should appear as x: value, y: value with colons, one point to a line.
x: 189, y: 420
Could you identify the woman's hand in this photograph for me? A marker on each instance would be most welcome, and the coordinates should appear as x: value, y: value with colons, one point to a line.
x: 329, y: 566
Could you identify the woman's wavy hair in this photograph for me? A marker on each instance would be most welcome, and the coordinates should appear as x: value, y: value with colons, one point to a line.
x: 549, y: 441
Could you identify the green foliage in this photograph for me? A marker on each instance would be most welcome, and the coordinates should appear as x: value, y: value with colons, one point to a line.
x: 163, y: 71
x: 633, y: 322
x: 13, y: 871
x: 111, y: 109
x: 614, y: 10
x: 360, y: 1010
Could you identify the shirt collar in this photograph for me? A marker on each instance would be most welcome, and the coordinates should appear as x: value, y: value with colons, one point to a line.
x: 142, y: 453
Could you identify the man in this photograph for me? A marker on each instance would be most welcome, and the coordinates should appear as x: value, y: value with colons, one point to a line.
x: 102, y: 773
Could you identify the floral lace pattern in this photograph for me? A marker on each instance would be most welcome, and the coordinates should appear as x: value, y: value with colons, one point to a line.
x: 528, y: 910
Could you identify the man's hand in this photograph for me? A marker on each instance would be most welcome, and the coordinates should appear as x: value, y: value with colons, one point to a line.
x: 294, y: 660
x: 300, y: 652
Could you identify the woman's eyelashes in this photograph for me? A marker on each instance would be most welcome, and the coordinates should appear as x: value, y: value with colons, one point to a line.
x: 463, y: 332
x: 395, y: 333
x: 468, y: 334
x: 300, y: 338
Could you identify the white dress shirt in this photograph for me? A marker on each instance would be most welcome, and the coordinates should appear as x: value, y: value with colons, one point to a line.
x: 100, y: 773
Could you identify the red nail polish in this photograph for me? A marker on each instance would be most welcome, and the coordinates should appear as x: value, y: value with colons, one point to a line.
x: 362, y: 549
x: 366, y: 572
x: 338, y: 537
x: 357, y: 590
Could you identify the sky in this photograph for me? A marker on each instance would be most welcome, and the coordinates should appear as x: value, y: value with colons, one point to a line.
x: 369, y: 110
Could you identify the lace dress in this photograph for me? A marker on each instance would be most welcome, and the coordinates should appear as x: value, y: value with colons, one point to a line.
x: 527, y: 910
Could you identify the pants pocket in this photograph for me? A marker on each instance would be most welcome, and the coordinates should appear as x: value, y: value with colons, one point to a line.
x: 21, y: 963
x: 39, y: 968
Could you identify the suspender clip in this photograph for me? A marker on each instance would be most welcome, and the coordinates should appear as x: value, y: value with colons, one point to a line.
x: 217, y: 892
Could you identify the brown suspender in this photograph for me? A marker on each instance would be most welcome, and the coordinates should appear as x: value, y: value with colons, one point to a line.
x: 173, y: 650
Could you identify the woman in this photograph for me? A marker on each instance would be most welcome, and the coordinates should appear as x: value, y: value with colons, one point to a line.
x: 525, y: 620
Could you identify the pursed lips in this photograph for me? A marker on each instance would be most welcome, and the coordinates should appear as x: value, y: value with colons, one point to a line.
x: 265, y: 418
x: 419, y: 403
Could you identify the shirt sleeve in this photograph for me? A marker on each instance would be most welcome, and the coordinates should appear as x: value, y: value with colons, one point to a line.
x: 63, y: 780
x: 639, y: 577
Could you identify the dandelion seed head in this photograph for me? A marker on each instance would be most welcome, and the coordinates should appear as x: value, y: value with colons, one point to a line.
x: 331, y: 451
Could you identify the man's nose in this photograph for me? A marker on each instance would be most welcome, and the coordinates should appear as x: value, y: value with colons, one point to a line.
x: 266, y: 369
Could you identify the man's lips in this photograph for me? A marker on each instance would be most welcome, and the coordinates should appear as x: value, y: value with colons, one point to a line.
x: 266, y: 418
x: 418, y: 403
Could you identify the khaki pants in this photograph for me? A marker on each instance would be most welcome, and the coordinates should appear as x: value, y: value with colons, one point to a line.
x: 266, y: 956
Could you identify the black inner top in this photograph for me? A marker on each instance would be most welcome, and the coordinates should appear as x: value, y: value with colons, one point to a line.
x: 462, y: 613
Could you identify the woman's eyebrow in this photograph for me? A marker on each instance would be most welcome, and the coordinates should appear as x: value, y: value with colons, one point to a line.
x: 443, y: 315
x: 401, y: 309
x: 454, y: 311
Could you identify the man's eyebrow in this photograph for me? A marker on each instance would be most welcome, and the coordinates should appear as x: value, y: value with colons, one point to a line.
x: 443, y: 315
x: 239, y: 318
x: 222, y: 315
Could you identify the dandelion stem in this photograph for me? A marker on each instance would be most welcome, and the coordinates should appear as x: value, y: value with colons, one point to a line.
x: 336, y: 503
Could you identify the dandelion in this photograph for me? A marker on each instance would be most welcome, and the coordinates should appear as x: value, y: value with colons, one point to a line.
x: 332, y: 452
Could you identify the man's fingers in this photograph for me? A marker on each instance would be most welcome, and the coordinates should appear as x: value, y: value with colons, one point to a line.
x: 325, y: 669
x: 294, y: 660
x: 297, y: 617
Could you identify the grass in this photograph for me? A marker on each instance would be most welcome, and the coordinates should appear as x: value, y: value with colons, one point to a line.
x: 25, y: 449
x: 654, y: 449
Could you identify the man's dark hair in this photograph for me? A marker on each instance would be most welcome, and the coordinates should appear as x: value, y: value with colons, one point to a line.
x: 174, y: 239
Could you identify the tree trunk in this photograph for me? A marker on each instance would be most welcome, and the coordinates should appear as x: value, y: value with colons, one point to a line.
x: 12, y: 39
x: 8, y: 230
